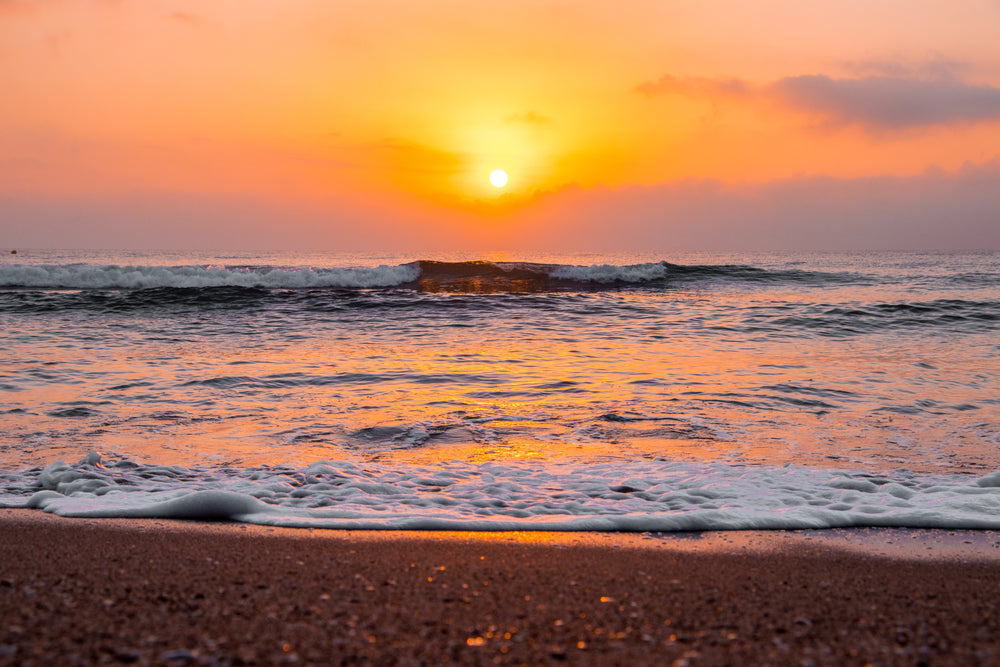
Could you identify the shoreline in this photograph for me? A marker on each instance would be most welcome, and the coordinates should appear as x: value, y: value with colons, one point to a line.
x: 172, y: 592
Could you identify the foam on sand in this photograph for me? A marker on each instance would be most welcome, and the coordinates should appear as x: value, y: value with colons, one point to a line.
x: 564, y: 496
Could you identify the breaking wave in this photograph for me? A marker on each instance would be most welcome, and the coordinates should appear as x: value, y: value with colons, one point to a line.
x: 424, y: 275
x: 85, y: 276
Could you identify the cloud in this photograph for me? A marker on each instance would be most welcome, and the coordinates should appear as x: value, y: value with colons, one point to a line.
x: 407, y: 156
x: 696, y: 86
x: 529, y: 118
x: 888, y: 103
x: 877, y: 103
x: 935, y: 69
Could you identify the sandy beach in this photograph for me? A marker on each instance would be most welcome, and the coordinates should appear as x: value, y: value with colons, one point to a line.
x: 78, y: 591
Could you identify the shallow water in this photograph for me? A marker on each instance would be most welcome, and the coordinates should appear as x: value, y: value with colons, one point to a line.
x: 566, y: 370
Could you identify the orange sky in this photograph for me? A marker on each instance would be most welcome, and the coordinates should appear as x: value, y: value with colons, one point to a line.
x: 321, y: 116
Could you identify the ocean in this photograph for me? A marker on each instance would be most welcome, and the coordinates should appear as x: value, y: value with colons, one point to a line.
x: 567, y: 392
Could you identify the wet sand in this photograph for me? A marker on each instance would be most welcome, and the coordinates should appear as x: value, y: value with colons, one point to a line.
x: 76, y: 591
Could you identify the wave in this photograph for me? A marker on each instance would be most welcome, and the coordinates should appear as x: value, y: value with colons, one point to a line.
x: 417, y: 285
x: 624, y: 496
x: 418, y: 289
x: 112, y: 277
x: 839, y: 320
x: 423, y: 275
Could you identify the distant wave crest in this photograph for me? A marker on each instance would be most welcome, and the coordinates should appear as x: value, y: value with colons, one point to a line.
x: 84, y: 276
x: 422, y: 275
x: 608, y: 273
x: 482, y: 276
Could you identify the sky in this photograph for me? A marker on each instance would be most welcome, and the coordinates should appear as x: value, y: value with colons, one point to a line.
x: 623, y: 126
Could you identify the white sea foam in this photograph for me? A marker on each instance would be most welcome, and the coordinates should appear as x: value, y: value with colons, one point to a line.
x: 566, y: 496
x: 85, y: 276
x: 609, y: 273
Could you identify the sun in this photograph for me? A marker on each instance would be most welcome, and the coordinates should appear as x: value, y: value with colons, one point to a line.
x: 498, y: 178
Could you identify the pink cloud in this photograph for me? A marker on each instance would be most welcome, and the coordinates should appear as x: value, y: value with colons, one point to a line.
x: 887, y: 103
x: 878, y: 103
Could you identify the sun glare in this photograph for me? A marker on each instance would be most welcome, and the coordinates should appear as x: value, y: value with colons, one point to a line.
x: 498, y: 178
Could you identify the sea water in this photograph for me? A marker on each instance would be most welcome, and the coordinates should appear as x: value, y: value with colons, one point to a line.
x: 502, y: 392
